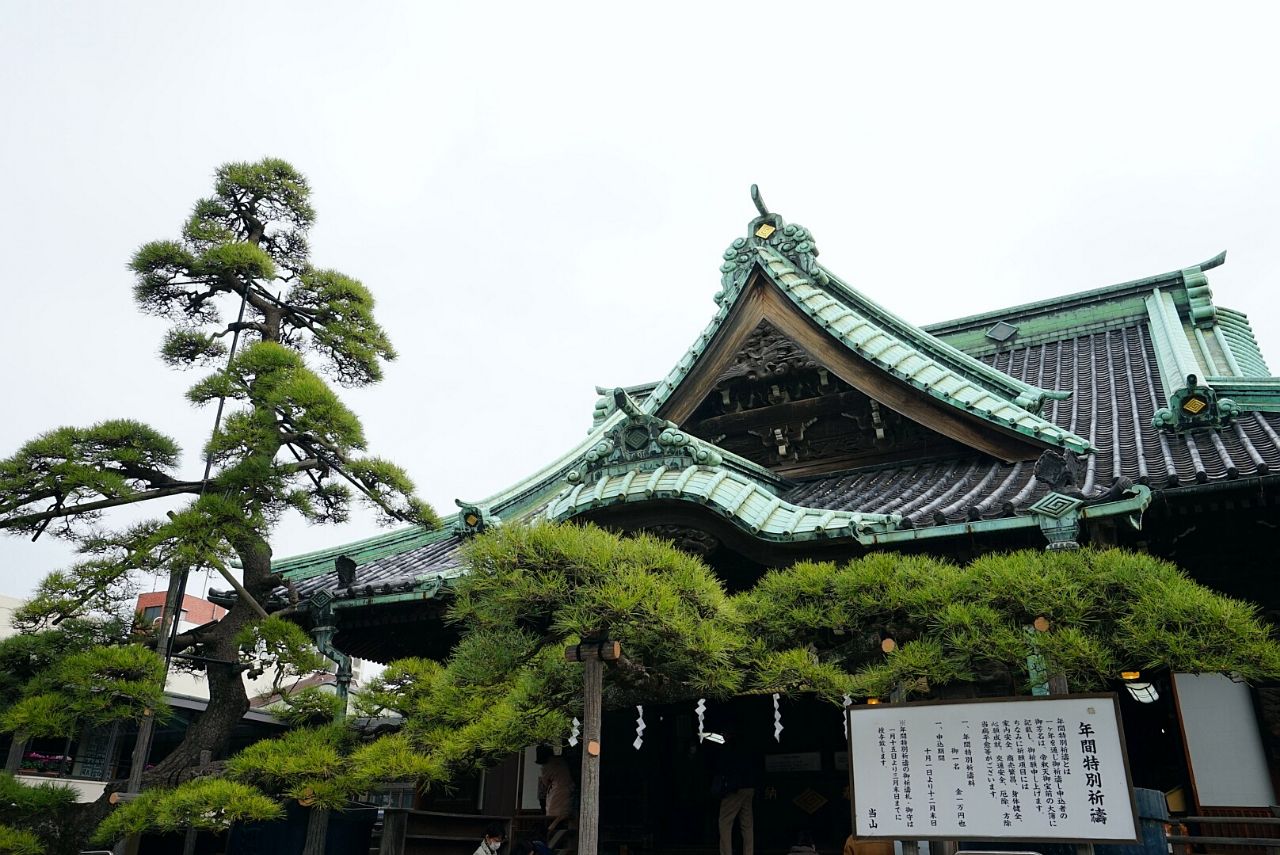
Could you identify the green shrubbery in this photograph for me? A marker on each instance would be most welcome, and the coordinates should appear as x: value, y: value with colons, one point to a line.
x: 813, y: 628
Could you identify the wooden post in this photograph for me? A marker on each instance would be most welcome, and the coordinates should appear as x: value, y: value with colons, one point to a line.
x: 395, y: 825
x: 898, y: 695
x: 17, y: 748
x: 592, y: 654
x: 317, y: 831
x: 1058, y: 686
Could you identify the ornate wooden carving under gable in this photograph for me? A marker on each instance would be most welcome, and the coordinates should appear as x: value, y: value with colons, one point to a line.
x: 775, y: 404
x: 691, y: 540
x: 767, y: 353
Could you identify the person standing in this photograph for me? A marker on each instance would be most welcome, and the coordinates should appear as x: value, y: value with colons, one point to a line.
x: 735, y: 783
x: 555, y: 785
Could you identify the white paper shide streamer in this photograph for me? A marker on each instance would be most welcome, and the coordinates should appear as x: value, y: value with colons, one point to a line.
x: 701, y: 710
x: 639, y: 728
x: 777, y: 718
x: 845, y: 700
x: 573, y: 732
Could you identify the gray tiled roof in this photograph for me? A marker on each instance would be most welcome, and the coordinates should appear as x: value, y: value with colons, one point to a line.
x: 1116, y: 390
x: 393, y: 573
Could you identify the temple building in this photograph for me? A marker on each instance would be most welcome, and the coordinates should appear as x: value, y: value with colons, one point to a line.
x: 808, y: 422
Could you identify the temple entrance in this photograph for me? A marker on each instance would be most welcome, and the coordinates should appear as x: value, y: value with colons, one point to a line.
x: 659, y: 798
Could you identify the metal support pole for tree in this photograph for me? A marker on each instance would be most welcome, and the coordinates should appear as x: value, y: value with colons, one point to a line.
x: 146, y: 726
x: 592, y: 654
x: 173, y: 609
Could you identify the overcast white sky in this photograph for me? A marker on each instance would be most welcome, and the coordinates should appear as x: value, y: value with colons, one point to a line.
x: 539, y: 193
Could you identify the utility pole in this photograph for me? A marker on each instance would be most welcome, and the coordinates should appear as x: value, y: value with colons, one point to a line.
x: 592, y: 653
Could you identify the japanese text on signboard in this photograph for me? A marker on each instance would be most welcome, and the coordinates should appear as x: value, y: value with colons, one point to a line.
x: 1028, y: 768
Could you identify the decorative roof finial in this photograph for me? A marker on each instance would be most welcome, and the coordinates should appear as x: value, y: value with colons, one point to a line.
x: 759, y: 200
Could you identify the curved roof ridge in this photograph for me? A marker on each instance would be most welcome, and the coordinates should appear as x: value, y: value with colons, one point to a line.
x: 733, y: 495
x: 933, y: 365
x: 1054, y: 304
x: 979, y: 370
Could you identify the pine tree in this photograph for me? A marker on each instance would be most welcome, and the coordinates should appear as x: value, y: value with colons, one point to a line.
x: 242, y: 295
x: 808, y: 630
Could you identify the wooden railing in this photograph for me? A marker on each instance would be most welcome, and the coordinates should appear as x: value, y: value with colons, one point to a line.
x: 1255, y: 829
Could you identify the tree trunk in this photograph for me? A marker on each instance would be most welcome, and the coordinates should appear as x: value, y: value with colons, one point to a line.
x: 228, y: 700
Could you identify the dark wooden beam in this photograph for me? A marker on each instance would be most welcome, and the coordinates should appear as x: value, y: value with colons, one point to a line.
x: 778, y: 414
x: 589, y: 651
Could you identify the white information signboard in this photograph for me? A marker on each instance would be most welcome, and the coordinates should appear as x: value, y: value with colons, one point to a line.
x: 1034, y: 768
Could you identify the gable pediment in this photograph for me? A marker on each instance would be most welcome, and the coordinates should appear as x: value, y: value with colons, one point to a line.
x: 781, y: 312
x: 777, y: 405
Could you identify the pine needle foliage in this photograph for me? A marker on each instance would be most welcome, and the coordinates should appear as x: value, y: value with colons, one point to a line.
x: 813, y: 629
x: 307, y: 763
x: 213, y: 804
x: 37, y: 811
x: 15, y: 841
x: 1110, y: 610
x: 310, y: 707
x: 94, y: 687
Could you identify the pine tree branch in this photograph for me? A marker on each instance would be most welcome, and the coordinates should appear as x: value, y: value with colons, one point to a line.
x: 337, y: 462
x: 190, y: 487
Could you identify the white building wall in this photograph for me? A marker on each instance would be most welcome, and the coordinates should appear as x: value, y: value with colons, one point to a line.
x: 8, y: 605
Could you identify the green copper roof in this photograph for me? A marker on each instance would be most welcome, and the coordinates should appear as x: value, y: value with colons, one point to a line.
x: 786, y: 255
x: 1069, y: 316
x: 1243, y: 353
x: 1211, y: 369
x: 1188, y: 332
x: 733, y: 495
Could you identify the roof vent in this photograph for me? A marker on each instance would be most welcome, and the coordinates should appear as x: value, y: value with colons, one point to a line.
x: 1002, y: 332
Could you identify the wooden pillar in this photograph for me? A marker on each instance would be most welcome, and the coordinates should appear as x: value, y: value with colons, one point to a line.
x: 592, y: 654
x: 898, y: 695
x: 317, y: 831
x: 1058, y: 686
x: 395, y: 825
x: 592, y: 698
x: 17, y: 747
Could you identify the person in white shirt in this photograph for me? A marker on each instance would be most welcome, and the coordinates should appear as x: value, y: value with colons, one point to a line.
x: 494, y: 834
